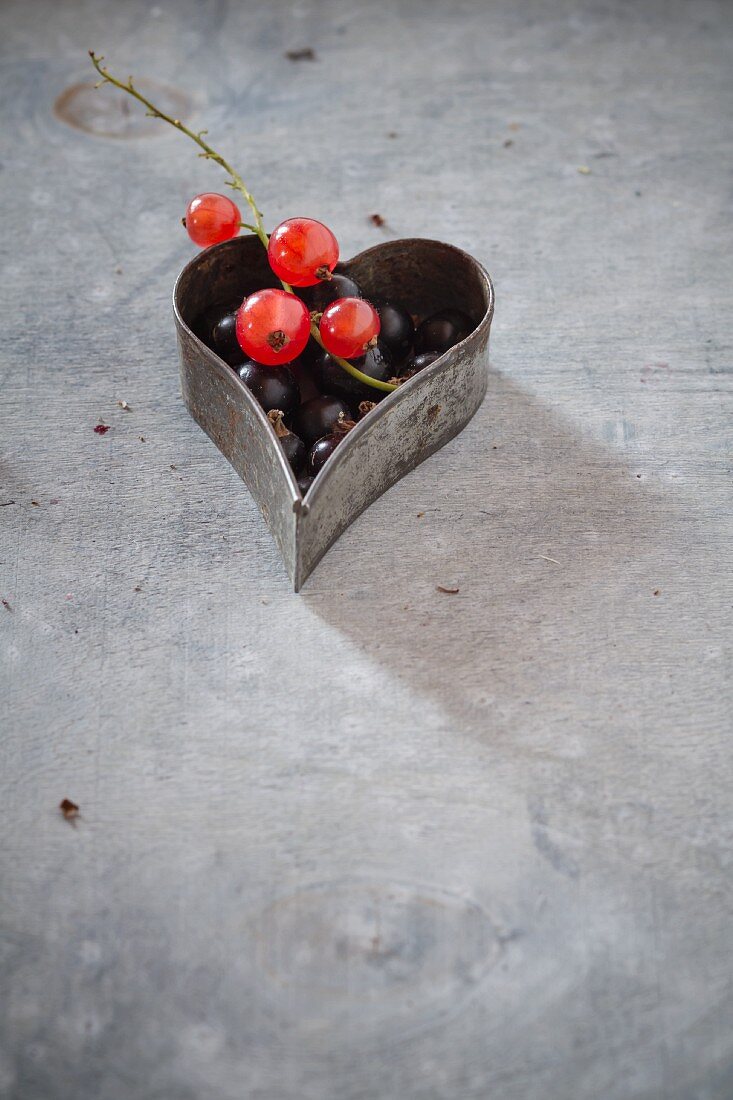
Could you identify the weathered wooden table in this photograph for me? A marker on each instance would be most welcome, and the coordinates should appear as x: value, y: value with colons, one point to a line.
x: 373, y: 841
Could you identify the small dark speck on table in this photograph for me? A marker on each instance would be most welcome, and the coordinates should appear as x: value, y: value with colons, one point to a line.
x: 69, y: 810
x: 306, y: 54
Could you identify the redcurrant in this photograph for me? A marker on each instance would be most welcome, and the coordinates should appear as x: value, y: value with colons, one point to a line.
x: 302, y: 251
x: 272, y: 326
x: 211, y: 218
x: 349, y: 327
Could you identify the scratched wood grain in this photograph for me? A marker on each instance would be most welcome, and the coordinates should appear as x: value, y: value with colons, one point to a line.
x: 373, y: 840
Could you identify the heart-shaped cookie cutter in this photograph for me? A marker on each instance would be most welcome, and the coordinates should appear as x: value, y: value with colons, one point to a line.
x: 404, y: 429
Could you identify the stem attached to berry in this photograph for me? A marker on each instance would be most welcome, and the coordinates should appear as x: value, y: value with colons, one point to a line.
x: 237, y: 184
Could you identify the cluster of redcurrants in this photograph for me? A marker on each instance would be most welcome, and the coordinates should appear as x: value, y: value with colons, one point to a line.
x: 311, y: 400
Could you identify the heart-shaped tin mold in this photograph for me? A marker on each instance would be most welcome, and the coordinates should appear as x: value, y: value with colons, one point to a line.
x: 403, y: 430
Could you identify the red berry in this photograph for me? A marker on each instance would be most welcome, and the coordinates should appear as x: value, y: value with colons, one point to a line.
x: 302, y: 251
x: 272, y: 326
x: 211, y: 218
x: 349, y: 327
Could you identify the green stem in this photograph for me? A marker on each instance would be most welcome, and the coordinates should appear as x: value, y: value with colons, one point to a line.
x: 236, y: 182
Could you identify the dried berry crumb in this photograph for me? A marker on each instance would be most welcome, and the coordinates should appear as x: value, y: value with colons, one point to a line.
x: 448, y: 591
x: 69, y: 810
x: 6, y: 605
x: 137, y: 588
x: 657, y: 592
x: 102, y: 429
x: 35, y: 504
x: 124, y: 406
x: 306, y: 54
x: 142, y: 438
x: 376, y: 219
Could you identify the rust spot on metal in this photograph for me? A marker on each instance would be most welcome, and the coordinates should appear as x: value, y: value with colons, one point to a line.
x: 432, y: 414
x: 107, y: 112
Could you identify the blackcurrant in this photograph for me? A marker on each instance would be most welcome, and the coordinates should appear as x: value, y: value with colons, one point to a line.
x: 318, y: 417
x: 338, y: 286
x: 424, y: 359
x: 397, y: 330
x: 442, y: 330
x: 274, y: 387
x: 332, y: 378
x: 209, y: 318
x: 321, y: 451
x: 224, y: 339
x: 293, y: 446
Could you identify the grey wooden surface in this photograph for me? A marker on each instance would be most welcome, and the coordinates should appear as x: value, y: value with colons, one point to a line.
x: 373, y: 840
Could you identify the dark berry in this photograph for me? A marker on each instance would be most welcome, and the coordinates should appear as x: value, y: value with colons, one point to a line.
x: 209, y: 318
x: 322, y: 294
x: 310, y: 352
x: 442, y: 330
x: 397, y: 330
x: 304, y: 483
x: 424, y: 359
x: 304, y: 374
x: 274, y: 387
x: 318, y: 417
x: 292, y: 445
x: 224, y: 339
x: 332, y: 378
x: 321, y: 451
